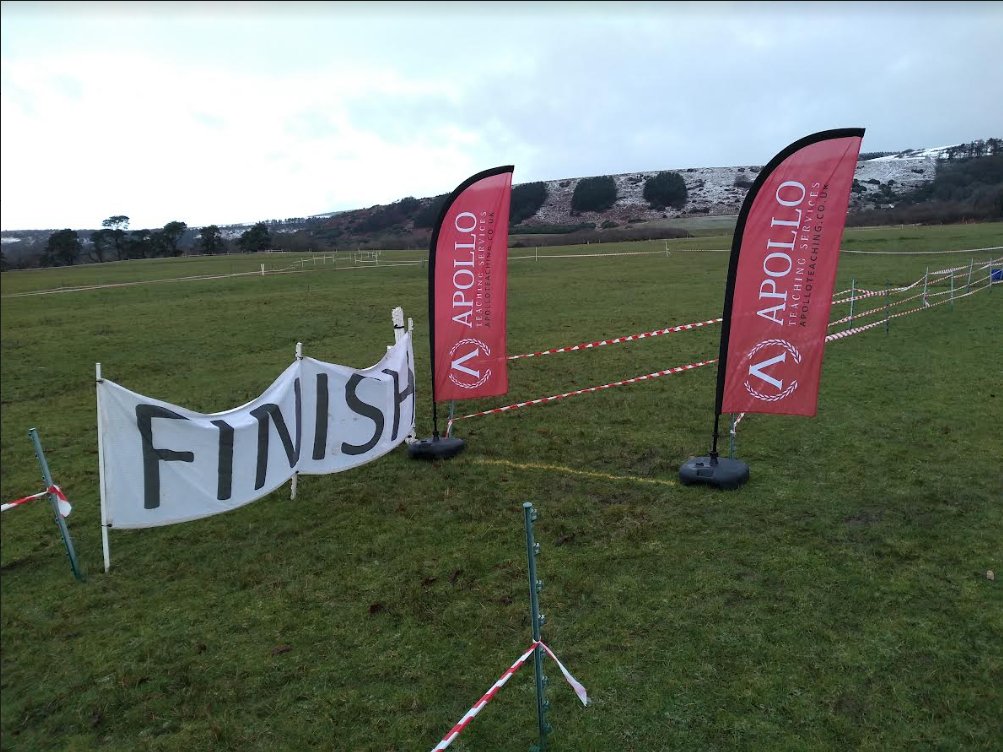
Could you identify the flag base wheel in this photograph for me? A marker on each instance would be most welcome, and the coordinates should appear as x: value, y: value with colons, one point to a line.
x: 723, y: 473
x: 436, y: 448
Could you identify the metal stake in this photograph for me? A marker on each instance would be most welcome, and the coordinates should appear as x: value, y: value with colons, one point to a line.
x: 537, y: 619
x: 54, y: 500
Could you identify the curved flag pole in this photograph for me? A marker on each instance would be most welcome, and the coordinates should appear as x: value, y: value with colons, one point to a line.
x: 490, y: 195
x: 808, y: 164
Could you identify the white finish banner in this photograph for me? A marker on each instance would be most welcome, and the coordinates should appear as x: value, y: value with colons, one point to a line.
x: 164, y: 464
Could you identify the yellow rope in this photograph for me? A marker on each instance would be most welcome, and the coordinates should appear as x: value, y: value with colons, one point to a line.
x: 586, y: 473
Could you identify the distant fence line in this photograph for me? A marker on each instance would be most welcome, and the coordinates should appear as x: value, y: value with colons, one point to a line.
x: 373, y: 259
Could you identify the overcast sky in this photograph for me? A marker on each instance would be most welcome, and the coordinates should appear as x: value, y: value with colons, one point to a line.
x: 225, y: 113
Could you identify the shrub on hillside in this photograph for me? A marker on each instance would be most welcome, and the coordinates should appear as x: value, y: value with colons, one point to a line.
x: 526, y: 201
x: 593, y: 194
x: 665, y: 189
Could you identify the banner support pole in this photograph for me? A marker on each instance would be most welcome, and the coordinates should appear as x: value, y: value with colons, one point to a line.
x: 449, y: 419
x: 105, y: 547
x: 713, y: 444
x: 294, y: 481
x: 536, y: 619
x: 54, y: 501
x: 397, y: 317
x: 412, y: 435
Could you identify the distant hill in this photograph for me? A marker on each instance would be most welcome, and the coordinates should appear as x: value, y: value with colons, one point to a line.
x: 882, y: 181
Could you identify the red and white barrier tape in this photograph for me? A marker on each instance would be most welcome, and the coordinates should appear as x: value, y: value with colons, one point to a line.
x: 19, y: 502
x: 838, y: 298
x: 872, y: 311
x: 691, y: 366
x: 587, y: 390
x: 618, y: 340
x: 954, y: 269
x: 489, y: 695
x: 865, y: 327
x: 64, y: 504
x: 575, y: 684
x: 861, y: 294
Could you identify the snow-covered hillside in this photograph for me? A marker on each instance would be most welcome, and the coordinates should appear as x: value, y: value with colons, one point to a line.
x: 721, y: 190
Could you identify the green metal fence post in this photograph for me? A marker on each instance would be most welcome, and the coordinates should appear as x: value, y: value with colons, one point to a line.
x: 535, y: 585
x: 54, y: 501
x: 968, y: 284
x: 952, y: 291
x: 926, y: 282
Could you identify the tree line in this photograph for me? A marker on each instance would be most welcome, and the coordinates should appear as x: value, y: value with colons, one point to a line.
x: 116, y: 242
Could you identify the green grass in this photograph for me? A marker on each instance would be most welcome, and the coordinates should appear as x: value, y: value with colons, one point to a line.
x: 837, y: 601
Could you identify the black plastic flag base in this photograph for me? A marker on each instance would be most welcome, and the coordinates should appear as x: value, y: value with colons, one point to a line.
x: 721, y: 472
x: 436, y: 448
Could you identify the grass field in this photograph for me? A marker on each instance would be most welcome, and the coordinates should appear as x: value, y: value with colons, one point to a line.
x: 840, y: 600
